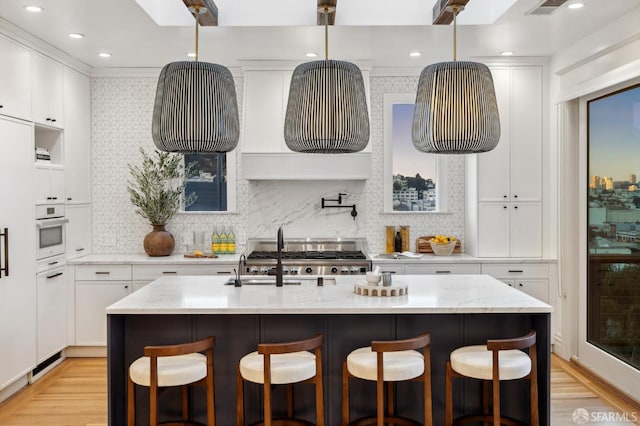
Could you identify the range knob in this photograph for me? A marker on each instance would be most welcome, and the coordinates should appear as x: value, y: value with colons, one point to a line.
x: 308, y: 269
x: 253, y: 270
x: 294, y: 270
x: 285, y: 270
x: 344, y: 269
x: 334, y: 269
x: 355, y: 270
x: 264, y: 270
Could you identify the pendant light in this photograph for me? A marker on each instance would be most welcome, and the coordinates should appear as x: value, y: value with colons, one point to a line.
x: 456, y: 110
x: 327, y: 107
x: 195, y: 108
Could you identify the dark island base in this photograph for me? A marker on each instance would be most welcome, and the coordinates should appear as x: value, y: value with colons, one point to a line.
x: 237, y: 335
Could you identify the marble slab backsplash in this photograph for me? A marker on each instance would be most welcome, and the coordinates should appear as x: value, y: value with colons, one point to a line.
x: 297, y: 207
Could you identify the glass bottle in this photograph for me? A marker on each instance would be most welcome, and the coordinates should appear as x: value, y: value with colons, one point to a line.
x: 215, y: 241
x: 223, y: 241
x: 231, y: 241
x: 397, y: 246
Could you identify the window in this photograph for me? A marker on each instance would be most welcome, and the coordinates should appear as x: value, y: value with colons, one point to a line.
x: 414, y: 181
x: 208, y: 182
x: 613, y: 233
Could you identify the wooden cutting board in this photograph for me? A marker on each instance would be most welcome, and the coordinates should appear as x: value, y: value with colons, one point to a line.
x: 423, y: 246
x: 202, y: 256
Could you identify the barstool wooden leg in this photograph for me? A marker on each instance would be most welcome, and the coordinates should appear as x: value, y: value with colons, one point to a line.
x: 211, y: 396
x: 131, y: 403
x: 290, y: 400
x: 239, y: 399
x: 485, y: 400
x: 496, y: 391
x: 267, y: 390
x: 533, y: 388
x: 185, y: 403
x: 390, y: 400
x: 345, y: 394
x: 428, y: 409
x: 448, y: 396
x: 319, y: 394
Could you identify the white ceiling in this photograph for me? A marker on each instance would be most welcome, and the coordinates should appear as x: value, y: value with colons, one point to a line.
x: 365, y: 31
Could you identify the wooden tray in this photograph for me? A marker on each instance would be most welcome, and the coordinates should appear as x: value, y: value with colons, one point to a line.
x: 203, y: 256
x: 423, y: 246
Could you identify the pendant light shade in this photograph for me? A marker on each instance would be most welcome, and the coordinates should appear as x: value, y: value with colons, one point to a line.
x: 327, y: 109
x: 195, y: 108
x: 456, y: 110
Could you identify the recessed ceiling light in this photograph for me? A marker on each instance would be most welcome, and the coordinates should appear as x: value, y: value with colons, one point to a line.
x: 415, y: 54
x: 576, y: 5
x: 104, y: 54
x: 76, y: 35
x: 311, y: 55
x: 34, y: 9
x: 191, y: 54
x: 507, y: 53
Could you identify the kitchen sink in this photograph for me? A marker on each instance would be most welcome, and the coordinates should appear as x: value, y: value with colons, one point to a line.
x: 271, y: 280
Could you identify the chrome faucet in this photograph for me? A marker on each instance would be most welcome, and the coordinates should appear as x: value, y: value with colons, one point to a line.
x: 280, y: 247
x: 242, y: 262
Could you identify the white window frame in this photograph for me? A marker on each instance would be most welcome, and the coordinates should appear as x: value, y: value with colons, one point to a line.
x: 389, y: 100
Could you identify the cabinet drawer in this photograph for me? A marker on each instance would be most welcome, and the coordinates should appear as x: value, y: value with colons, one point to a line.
x: 152, y: 272
x: 443, y: 268
x: 103, y: 272
x: 516, y: 270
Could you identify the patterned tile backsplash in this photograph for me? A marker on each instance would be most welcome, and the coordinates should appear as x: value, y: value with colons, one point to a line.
x: 121, y: 120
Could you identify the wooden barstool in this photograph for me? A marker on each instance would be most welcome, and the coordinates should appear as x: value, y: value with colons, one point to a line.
x: 283, y: 363
x: 173, y: 365
x: 389, y: 361
x: 497, y: 360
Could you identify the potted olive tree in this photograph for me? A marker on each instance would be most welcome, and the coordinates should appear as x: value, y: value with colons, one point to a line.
x: 156, y: 189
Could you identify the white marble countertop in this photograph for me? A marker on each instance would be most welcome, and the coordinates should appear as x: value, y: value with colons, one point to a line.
x: 431, y: 294
x: 143, y: 259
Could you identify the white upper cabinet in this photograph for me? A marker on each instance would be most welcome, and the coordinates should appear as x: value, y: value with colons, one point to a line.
x: 15, y: 80
x: 46, y: 78
x: 77, y: 136
x: 504, y: 186
x: 266, y: 93
x: 513, y: 170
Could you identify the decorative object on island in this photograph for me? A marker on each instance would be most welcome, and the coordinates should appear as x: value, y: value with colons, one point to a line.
x: 338, y: 200
x: 442, y: 245
x: 456, y: 110
x: 327, y: 106
x: 196, y: 109
x: 157, y: 189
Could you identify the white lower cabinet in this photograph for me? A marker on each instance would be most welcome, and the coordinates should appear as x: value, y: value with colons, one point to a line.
x: 51, y: 312
x: 98, y: 286
x: 532, y: 279
x: 93, y: 298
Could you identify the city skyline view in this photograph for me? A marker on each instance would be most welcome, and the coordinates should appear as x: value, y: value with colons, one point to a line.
x: 614, y: 135
x: 408, y: 161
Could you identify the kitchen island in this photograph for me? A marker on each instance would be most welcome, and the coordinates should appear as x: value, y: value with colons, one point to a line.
x: 457, y: 310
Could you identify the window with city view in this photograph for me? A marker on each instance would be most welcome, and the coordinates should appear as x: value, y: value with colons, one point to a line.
x: 209, y: 182
x: 414, y: 173
x: 613, y: 289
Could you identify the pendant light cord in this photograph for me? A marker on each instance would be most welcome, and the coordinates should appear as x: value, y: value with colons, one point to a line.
x: 455, y: 33
x: 326, y: 33
x: 197, y: 16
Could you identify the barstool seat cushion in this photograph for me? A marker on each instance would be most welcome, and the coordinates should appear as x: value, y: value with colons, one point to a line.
x: 477, y: 362
x: 291, y: 367
x: 398, y: 366
x: 172, y: 370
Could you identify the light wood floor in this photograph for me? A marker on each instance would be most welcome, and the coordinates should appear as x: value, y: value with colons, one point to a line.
x: 75, y: 394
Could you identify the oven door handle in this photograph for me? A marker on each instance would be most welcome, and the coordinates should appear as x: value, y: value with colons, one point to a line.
x: 48, y: 223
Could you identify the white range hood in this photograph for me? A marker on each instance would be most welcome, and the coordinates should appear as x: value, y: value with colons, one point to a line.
x: 290, y: 166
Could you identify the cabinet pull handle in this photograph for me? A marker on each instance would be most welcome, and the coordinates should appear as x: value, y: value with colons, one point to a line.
x: 504, y: 196
x: 55, y: 262
x: 513, y: 271
x: 69, y: 199
x: 169, y: 272
x: 102, y: 273
x: 388, y: 272
x: 80, y: 249
x: 223, y: 273
x: 515, y: 207
x: 443, y: 272
x: 515, y: 196
x: 504, y: 207
x: 126, y: 286
x: 520, y: 284
x: 5, y: 269
x: 54, y: 275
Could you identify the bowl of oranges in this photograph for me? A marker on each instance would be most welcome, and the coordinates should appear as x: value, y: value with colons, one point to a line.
x: 443, y: 245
